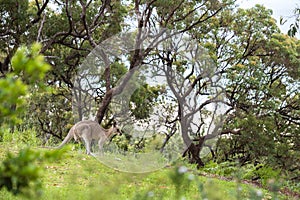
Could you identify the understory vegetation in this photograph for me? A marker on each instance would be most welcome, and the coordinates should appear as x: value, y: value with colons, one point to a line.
x: 39, y: 173
x: 208, y: 86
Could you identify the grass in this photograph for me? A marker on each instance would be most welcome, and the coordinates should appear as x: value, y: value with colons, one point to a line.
x: 78, y: 176
x: 132, y: 162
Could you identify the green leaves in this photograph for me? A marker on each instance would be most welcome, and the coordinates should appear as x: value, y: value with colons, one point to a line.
x: 11, y: 91
x: 21, y: 173
x: 285, y: 53
x: 29, y: 64
x: 143, y: 99
x: 294, y: 27
x: 29, y: 68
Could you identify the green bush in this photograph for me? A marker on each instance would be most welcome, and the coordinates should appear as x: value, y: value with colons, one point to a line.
x: 228, y: 169
x: 29, y: 68
x: 261, y: 172
x: 21, y: 173
x: 20, y: 138
x: 264, y: 173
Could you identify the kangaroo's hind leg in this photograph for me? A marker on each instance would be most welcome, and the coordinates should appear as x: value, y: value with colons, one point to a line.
x: 100, y: 144
x: 87, y: 140
x: 87, y: 144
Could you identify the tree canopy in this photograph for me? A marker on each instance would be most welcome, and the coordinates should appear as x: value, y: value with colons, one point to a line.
x: 256, y: 68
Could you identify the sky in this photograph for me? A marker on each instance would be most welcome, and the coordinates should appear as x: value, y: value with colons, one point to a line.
x: 281, y: 8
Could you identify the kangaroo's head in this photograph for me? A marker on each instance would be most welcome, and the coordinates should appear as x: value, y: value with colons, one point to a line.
x: 114, y: 130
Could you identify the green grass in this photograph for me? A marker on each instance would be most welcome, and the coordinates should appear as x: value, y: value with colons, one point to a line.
x: 78, y: 176
x: 132, y: 162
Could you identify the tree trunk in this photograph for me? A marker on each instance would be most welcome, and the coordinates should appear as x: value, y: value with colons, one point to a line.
x: 104, y: 105
x: 194, y: 155
x: 193, y: 152
x: 113, y: 92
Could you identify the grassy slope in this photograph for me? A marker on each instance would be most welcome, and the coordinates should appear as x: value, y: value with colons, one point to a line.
x: 78, y: 176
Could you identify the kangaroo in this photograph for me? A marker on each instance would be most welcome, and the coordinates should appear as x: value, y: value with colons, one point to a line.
x: 89, y: 130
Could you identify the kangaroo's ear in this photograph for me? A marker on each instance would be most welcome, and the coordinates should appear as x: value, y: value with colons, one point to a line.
x: 114, y: 123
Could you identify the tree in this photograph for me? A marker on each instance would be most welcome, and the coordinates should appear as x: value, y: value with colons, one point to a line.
x: 256, y: 66
x: 61, y: 27
x: 261, y: 70
x: 148, y: 20
x: 263, y: 87
x: 267, y: 111
x: 32, y: 67
x: 294, y: 27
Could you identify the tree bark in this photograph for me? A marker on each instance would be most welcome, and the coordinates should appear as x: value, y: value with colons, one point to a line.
x: 194, y: 154
x: 104, y: 105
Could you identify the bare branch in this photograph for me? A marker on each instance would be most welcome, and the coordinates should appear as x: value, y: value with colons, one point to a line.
x: 39, y: 13
x: 40, y: 29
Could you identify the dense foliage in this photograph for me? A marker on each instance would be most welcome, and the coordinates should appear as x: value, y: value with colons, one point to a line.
x: 257, y: 67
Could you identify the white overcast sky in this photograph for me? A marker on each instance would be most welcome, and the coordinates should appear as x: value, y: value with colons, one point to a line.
x: 282, y: 8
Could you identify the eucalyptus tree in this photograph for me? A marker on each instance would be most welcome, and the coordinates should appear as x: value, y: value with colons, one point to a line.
x: 151, y: 20
x: 257, y: 67
x: 61, y: 28
x: 261, y: 69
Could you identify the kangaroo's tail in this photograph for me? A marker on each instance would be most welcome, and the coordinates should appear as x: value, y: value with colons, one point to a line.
x: 67, y: 138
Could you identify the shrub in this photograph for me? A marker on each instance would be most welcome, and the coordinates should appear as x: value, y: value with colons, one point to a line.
x: 21, y: 173
x: 261, y: 172
x: 27, y: 137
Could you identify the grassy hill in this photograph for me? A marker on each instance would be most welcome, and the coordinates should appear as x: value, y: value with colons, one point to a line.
x: 78, y: 176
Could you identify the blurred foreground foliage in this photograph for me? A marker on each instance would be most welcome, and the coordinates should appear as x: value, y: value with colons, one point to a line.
x: 29, y: 69
x: 22, y: 173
